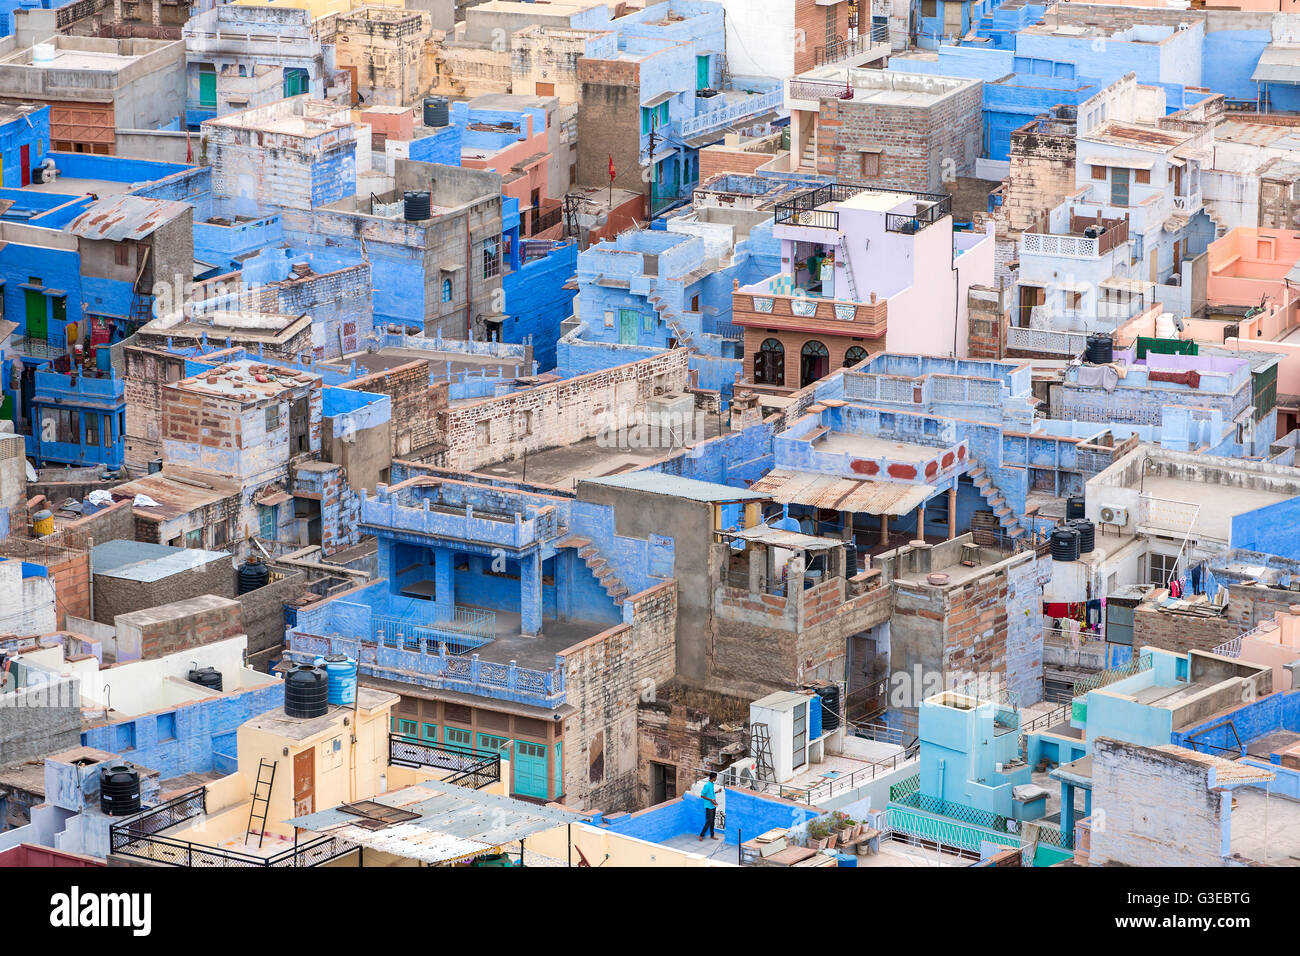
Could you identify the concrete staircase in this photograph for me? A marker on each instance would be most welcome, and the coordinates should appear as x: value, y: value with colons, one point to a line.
x: 600, y: 567
x: 997, y: 501
x: 671, y: 319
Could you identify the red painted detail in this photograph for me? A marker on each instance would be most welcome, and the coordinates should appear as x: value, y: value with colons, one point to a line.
x: 931, y: 469
x: 947, y: 459
x: 864, y: 466
x: 902, y: 471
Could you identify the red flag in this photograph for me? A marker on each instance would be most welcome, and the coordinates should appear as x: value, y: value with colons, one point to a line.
x: 611, y: 168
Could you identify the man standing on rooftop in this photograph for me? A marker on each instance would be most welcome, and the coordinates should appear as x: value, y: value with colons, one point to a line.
x: 710, y: 807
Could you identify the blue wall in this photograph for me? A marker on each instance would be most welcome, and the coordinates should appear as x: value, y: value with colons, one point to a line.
x: 537, y: 302
x: 1273, y: 529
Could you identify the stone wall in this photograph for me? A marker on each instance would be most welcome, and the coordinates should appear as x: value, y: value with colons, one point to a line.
x: 123, y: 595
x: 609, y: 118
x: 262, y: 615
x: 168, y: 628
x: 606, y: 678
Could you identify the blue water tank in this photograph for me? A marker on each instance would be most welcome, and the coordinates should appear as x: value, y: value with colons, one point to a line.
x: 814, y: 717
x: 342, y: 674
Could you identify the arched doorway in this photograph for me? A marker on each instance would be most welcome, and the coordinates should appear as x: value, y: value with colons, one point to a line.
x: 854, y: 355
x: 814, y: 362
x: 769, y: 363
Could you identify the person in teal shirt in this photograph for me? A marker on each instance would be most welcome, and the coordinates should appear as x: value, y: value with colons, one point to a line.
x: 710, y: 797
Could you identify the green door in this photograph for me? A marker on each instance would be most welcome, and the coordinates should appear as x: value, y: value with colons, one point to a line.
x: 627, y: 323
x: 36, y: 314
x: 207, y: 87
x: 530, y: 769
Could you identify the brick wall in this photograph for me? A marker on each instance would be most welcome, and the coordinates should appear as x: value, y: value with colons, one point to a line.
x: 1041, y: 175
x: 1180, y: 632
x: 606, y: 677
x: 686, y: 739
x: 71, y: 577
x: 988, y: 324
x: 162, y: 630
x: 814, y: 25
x: 609, y: 123
x: 976, y: 628
x: 558, y: 414
x: 146, y: 373
x: 715, y: 160
x: 415, y: 406
x: 1158, y: 809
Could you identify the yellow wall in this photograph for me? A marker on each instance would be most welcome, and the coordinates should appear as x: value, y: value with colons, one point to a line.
x: 596, y: 844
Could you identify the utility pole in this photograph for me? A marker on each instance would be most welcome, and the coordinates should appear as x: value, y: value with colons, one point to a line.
x: 650, y: 186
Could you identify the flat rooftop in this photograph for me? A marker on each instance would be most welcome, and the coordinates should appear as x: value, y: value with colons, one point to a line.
x: 1265, y: 827
x: 564, y: 467
x: 1219, y: 503
x: 442, y: 364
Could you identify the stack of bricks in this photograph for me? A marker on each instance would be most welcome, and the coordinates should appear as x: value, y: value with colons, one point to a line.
x: 975, y: 638
x: 1179, y: 632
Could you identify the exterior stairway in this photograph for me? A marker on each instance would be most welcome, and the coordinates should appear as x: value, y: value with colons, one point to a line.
x: 600, y: 567
x: 997, y: 501
x: 670, y: 319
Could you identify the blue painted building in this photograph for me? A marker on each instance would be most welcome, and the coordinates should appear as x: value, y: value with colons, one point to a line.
x: 24, y: 141
x: 79, y: 419
x: 538, y: 296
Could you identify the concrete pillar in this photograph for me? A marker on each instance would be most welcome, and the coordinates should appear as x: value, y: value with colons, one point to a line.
x: 530, y: 594
x: 952, y: 511
x: 920, y: 521
x: 758, y: 560
x: 1067, y: 812
x: 846, y: 525
x: 444, y: 578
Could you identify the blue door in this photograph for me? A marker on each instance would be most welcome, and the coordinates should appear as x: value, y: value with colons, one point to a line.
x: 530, y: 769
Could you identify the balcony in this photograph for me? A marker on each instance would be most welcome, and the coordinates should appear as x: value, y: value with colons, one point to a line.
x: 818, y: 90
x: 1188, y: 205
x: 732, y: 113
x: 475, y: 769
x: 1108, y: 234
x: 447, y: 510
x: 752, y: 308
x: 860, y: 49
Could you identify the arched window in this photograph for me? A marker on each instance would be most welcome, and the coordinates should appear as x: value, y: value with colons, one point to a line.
x: 769, y: 363
x: 814, y: 362
x: 854, y: 355
x: 446, y: 290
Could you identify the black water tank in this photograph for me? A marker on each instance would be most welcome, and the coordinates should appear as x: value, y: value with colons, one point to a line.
x: 1087, y: 534
x: 119, y: 790
x: 1100, y: 349
x: 306, y: 692
x: 1074, y: 507
x: 850, y: 558
x: 1065, y: 544
x: 416, y: 206
x: 253, y: 575
x: 435, y: 111
x: 830, y: 697
x: 207, y: 676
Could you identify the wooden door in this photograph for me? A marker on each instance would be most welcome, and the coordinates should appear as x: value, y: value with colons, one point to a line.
x: 25, y: 161
x: 304, y: 783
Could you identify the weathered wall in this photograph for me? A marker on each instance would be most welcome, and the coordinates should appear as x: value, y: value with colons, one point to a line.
x: 122, y: 595
x: 168, y: 628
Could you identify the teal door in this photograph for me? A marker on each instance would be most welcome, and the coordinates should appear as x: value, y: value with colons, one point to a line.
x: 627, y: 323
x: 530, y: 769
x: 701, y: 72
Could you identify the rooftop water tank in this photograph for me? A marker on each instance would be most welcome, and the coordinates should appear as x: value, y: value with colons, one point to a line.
x: 306, y: 692
x: 435, y: 111
x: 252, y: 575
x: 1065, y: 544
x: 1087, y: 534
x: 206, y: 676
x: 342, y: 674
x: 1100, y: 349
x: 417, y: 206
x: 1074, y: 506
x: 119, y: 790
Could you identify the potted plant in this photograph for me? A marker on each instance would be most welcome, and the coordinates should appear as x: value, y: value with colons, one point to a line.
x: 818, y: 834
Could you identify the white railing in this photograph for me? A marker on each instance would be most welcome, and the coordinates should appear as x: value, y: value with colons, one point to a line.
x: 735, y: 113
x: 1046, y: 340
x: 1076, y: 247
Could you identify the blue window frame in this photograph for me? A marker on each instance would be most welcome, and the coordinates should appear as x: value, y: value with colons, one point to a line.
x: 457, y: 739
x: 490, y: 743
x: 430, y: 732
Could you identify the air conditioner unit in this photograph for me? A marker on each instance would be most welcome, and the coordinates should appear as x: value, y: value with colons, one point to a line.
x: 1113, y: 514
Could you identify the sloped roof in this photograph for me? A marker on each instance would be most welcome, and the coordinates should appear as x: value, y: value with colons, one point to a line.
x: 125, y: 217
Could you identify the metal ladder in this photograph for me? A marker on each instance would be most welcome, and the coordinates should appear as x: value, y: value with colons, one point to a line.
x: 848, y: 273
x: 761, y: 745
x: 262, y: 796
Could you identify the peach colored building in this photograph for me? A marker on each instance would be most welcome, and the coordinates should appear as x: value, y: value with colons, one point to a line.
x: 1275, y: 644
x: 512, y: 136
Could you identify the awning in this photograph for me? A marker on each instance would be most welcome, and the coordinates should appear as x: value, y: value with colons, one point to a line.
x: 270, y: 501
x: 1126, y: 162
x: 1278, y: 64
x: 794, y: 540
x: 661, y: 98
x: 843, y: 494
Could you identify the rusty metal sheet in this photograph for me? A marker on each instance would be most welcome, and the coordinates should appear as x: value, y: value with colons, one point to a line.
x: 125, y: 217
x: 843, y: 494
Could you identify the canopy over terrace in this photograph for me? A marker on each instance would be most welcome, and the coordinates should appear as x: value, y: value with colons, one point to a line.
x: 849, y: 496
x: 440, y: 823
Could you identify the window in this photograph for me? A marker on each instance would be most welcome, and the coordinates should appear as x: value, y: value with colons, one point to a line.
x: 1099, y: 173
x: 491, y: 258
x: 1160, y: 568
x: 167, y: 726
x: 446, y: 290
x: 272, y: 417
x: 483, y: 432
x: 609, y: 320
x: 1119, y: 186
x: 654, y: 117
x: 854, y: 355
x: 1142, y: 176
x: 525, y: 423
x: 121, y: 255
x: 268, y: 521
x: 430, y: 732
x: 769, y: 363
x: 59, y: 308
x: 406, y: 728
x: 1074, y: 300
x: 490, y: 743
x: 929, y: 8
x: 456, y: 739
x: 870, y: 164
x: 92, y: 428
x: 194, y: 538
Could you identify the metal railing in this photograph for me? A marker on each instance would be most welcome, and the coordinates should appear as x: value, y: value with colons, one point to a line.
x: 1053, y: 717
x: 803, y: 209
x: 812, y: 795
x: 842, y: 49
x: 1113, y: 675
x: 466, y: 630
x: 939, y: 207
x: 141, y: 837
x: 734, y: 113
x: 472, y: 768
x: 819, y: 89
x: 984, y: 819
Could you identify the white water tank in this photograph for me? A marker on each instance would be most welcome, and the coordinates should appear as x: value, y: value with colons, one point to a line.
x: 43, y: 53
x: 1165, y: 328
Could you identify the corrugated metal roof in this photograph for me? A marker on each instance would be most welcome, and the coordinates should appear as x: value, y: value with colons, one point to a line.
x: 843, y: 494
x: 454, y: 823
x: 794, y: 540
x: 125, y: 217
x: 693, y: 489
x: 1279, y: 63
x: 141, y: 561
